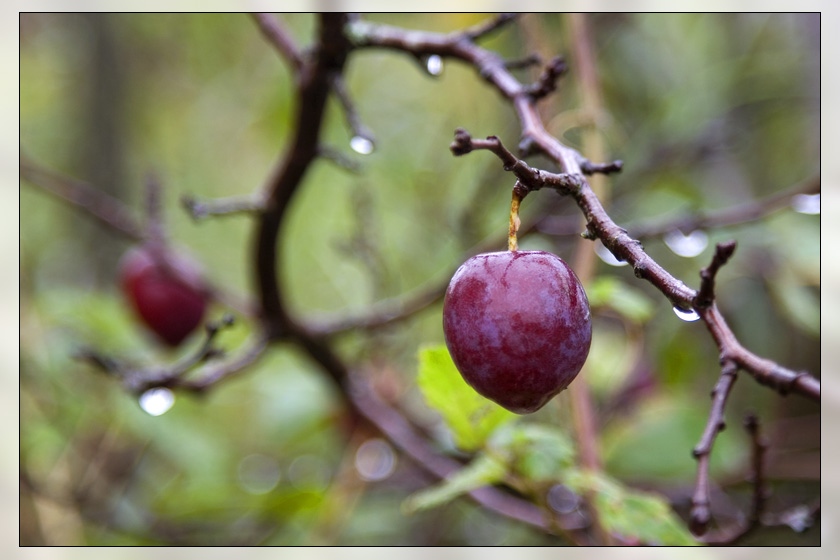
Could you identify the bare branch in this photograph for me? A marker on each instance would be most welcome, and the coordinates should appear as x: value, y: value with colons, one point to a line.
x: 232, y: 205
x: 277, y: 35
x: 485, y: 28
x: 754, y: 519
x: 628, y: 249
x: 108, y: 210
x: 590, y: 168
x: 706, y: 294
x: 725, y: 217
x: 740, y: 214
x: 547, y: 82
x: 358, y: 129
x: 312, y: 94
x: 700, y: 504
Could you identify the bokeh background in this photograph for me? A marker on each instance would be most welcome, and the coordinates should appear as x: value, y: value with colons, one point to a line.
x: 707, y: 111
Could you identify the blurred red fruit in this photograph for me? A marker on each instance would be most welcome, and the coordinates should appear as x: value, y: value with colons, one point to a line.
x: 165, y: 290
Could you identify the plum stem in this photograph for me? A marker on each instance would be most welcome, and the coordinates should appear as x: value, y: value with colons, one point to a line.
x: 516, y: 199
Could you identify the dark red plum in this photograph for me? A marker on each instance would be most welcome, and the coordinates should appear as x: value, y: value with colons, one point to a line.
x: 165, y: 290
x: 517, y: 326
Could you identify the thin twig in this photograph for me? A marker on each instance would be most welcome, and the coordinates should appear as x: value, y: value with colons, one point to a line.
x: 547, y: 82
x: 108, y: 210
x: 700, y: 515
x: 484, y: 28
x: 358, y: 129
x: 277, y: 35
x: 715, y: 219
x: 754, y: 519
x: 734, y: 215
x: 232, y: 205
x: 706, y: 293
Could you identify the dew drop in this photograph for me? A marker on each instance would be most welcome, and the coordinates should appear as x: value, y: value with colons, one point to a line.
x: 689, y: 245
x: 361, y: 145
x: 687, y: 315
x: 606, y: 256
x: 434, y: 65
x: 375, y: 460
x: 157, y: 401
x: 806, y: 203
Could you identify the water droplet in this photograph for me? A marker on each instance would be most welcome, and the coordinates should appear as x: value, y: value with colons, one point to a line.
x: 689, y: 245
x: 687, y: 315
x: 434, y: 65
x: 361, y: 145
x: 258, y: 474
x: 375, y: 460
x: 308, y: 472
x: 806, y: 203
x: 157, y: 401
x: 562, y: 500
x: 606, y: 256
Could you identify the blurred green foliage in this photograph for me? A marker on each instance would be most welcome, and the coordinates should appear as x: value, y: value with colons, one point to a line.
x: 707, y: 111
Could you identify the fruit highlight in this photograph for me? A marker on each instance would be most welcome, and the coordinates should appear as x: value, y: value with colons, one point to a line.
x: 518, y: 327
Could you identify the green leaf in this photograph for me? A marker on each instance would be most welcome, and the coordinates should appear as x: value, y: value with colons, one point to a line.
x: 630, y: 513
x: 469, y: 416
x: 630, y: 303
x: 538, y: 452
x: 483, y: 470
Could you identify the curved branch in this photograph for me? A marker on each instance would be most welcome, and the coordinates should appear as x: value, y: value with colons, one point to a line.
x: 313, y: 91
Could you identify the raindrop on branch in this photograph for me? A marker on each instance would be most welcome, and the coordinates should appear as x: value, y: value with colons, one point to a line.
x: 606, y: 256
x: 562, y: 500
x: 806, y: 203
x: 361, y: 145
x: 687, y: 315
x: 434, y: 65
x: 689, y: 245
x: 157, y: 401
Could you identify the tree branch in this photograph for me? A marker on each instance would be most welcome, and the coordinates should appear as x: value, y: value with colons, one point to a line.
x: 277, y: 35
x: 700, y: 515
x: 204, y: 208
x: 625, y: 248
x: 313, y: 90
x: 108, y: 210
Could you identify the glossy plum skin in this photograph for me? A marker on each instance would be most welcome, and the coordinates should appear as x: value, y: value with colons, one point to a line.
x: 165, y: 292
x: 517, y: 326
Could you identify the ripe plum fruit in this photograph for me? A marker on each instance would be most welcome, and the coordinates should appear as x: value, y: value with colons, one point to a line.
x: 517, y: 326
x: 165, y: 290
